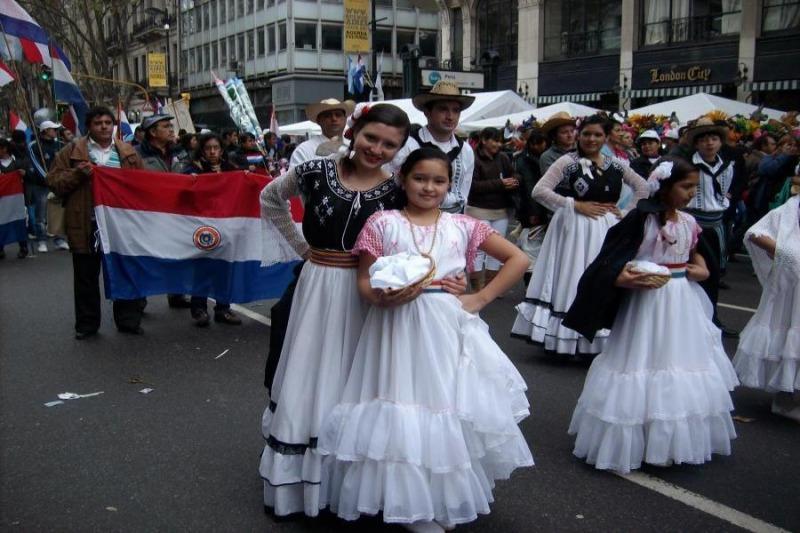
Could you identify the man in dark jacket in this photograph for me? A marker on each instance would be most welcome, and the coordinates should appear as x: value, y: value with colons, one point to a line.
x: 157, y: 148
x: 649, y: 144
x: 42, y: 153
x: 71, y: 178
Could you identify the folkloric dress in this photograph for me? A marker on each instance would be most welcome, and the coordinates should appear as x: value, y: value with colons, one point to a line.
x: 324, y: 324
x: 572, y: 242
x: 428, y: 418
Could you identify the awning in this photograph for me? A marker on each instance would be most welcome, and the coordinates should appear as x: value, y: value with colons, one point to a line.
x: 582, y: 97
x: 672, y: 92
x: 784, y: 85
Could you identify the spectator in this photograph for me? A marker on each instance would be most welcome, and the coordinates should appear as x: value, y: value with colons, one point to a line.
x: 157, y: 149
x: 8, y: 163
x: 560, y: 129
x: 248, y: 156
x: 46, y: 146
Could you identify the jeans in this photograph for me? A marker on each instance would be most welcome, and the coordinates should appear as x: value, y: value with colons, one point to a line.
x: 39, y: 204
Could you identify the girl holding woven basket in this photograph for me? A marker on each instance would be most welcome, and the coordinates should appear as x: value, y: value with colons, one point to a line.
x: 428, y: 418
x: 659, y: 391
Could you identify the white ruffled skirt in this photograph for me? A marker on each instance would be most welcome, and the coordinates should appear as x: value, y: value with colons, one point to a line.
x: 428, y: 419
x: 324, y: 327
x: 659, y: 392
x: 768, y: 356
x: 571, y: 243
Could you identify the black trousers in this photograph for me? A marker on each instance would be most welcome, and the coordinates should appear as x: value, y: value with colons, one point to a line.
x: 279, y: 317
x: 86, y: 282
x: 708, y: 246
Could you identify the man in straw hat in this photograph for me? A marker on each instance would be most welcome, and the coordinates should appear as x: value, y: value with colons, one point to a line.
x: 331, y: 115
x: 712, y: 199
x: 560, y: 129
x: 442, y: 107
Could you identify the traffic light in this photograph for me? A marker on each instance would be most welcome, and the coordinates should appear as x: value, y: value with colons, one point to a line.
x: 45, y: 73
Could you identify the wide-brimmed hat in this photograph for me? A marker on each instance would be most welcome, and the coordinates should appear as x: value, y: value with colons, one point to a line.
x: 329, y: 104
x: 443, y: 90
x: 561, y: 118
x: 648, y: 135
x: 703, y: 126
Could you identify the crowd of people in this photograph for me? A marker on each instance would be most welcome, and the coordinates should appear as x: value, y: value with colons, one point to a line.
x: 396, y: 399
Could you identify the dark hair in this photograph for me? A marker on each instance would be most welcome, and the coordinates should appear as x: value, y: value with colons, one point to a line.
x: 186, y: 140
x: 5, y: 143
x: 202, y: 140
x: 489, y: 133
x: 535, y: 136
x: 18, y: 137
x: 98, y: 111
x: 424, y: 154
x: 598, y: 119
x: 680, y: 170
x: 758, y: 144
x: 387, y: 114
x: 246, y: 136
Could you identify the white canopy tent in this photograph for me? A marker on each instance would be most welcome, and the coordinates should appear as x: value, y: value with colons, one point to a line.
x: 540, y: 114
x: 486, y: 105
x: 693, y: 106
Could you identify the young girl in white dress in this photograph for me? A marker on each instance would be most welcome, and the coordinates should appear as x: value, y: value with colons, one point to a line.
x: 659, y: 392
x: 428, y: 418
x: 768, y: 356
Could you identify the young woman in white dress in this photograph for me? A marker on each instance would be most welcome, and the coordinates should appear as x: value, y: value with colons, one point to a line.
x: 768, y: 356
x: 659, y: 392
x: 428, y: 417
x: 582, y: 189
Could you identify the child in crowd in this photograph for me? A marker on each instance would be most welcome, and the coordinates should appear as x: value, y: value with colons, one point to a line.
x: 659, y: 392
x: 428, y: 418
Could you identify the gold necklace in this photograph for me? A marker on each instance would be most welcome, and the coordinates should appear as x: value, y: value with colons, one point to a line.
x: 414, y: 237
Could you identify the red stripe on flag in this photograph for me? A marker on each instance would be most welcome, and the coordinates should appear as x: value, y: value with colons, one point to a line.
x: 31, y: 51
x: 11, y: 183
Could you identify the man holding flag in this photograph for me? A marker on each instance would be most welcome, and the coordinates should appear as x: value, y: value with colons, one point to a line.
x: 71, y: 178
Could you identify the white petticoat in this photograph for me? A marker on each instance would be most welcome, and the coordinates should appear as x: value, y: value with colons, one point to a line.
x: 659, y: 391
x: 571, y: 243
x: 428, y: 418
x: 324, y: 326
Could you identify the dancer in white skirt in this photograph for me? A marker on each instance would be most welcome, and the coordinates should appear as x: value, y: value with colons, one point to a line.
x: 428, y: 418
x: 659, y: 392
x: 768, y: 356
x: 582, y: 189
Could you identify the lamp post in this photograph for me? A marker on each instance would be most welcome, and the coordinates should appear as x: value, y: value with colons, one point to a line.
x: 165, y: 20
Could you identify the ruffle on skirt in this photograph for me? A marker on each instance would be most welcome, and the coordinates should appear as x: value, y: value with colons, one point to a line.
x: 537, y: 324
x: 769, y: 358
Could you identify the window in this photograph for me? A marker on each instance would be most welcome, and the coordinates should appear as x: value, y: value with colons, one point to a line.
x: 331, y: 37
x: 332, y: 1
x: 241, y: 51
x: 240, y: 12
x: 207, y: 57
x: 404, y: 37
x: 270, y: 3
x: 261, y: 42
x: 184, y: 61
x: 456, y: 39
x: 385, y: 3
x: 427, y: 43
x: 206, y: 17
x: 250, y: 6
x: 251, y: 45
x: 282, y: 36
x: 271, y: 38
x: 223, y: 53
x: 497, y: 29
x: 780, y: 15
x: 576, y: 28
x: 261, y: 4
x: 213, y: 8
x: 231, y: 10
x: 222, y: 11
x: 678, y: 21
x: 305, y: 35
x: 214, y: 55
x: 383, y: 41
x: 232, y: 49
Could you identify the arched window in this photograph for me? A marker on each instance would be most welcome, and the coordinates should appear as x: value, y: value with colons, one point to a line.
x: 497, y: 29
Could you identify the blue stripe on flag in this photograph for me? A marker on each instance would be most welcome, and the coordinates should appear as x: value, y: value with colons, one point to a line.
x: 22, y: 28
x: 13, y: 231
x: 130, y: 277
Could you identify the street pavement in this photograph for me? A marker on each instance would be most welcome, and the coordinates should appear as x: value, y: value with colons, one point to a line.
x: 185, y: 456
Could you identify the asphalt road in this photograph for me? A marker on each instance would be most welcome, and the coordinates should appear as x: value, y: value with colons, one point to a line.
x: 185, y: 456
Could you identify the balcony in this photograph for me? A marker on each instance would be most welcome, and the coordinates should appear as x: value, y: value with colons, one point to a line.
x: 590, y: 43
x: 691, y: 29
x: 149, y: 29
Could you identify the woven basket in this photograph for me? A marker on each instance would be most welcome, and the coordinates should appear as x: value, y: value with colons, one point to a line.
x: 658, y: 280
x: 421, y: 283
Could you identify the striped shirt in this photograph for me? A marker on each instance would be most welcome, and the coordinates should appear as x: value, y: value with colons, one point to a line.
x: 104, y: 157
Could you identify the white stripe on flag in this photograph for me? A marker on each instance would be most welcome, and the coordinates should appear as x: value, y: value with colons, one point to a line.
x: 12, y: 207
x: 169, y: 236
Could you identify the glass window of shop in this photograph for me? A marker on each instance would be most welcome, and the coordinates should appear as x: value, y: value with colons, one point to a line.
x: 331, y: 37
x: 497, y: 28
x: 666, y: 22
x: 383, y: 40
x: 780, y: 15
x: 578, y: 28
x: 305, y: 35
x: 282, y: 36
x: 262, y: 42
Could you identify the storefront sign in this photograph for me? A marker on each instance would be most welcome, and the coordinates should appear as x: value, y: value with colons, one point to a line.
x: 465, y: 80
x: 693, y: 73
x: 157, y: 69
x: 356, y: 25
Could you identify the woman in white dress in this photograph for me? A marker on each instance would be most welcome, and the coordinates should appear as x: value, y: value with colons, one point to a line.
x: 768, y: 356
x: 428, y: 418
x: 582, y: 188
x: 659, y: 392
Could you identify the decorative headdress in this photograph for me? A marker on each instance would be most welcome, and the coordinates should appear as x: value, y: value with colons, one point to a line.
x: 662, y: 172
x: 362, y: 108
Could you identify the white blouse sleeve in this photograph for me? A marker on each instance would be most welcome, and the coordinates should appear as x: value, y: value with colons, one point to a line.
x: 275, y: 209
x: 544, y: 190
x: 636, y: 182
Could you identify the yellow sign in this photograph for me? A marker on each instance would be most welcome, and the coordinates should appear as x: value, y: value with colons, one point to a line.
x: 356, y: 25
x: 695, y: 73
x: 157, y: 69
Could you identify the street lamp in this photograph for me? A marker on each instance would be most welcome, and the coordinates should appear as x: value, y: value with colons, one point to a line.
x: 166, y: 21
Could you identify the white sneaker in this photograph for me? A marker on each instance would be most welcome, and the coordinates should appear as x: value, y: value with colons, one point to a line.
x: 41, y: 247
x: 62, y: 245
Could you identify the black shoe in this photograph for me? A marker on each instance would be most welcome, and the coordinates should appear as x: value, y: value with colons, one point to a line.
x: 179, y: 301
x: 200, y: 317
x: 133, y: 330
x: 83, y: 335
x: 22, y: 254
x: 2, y: 254
x: 724, y: 286
x: 227, y: 317
x: 727, y: 332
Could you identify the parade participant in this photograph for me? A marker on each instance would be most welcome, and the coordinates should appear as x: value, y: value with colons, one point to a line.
x: 582, y: 189
x: 66, y: 135
x: 773, y: 171
x: 532, y: 216
x: 331, y: 115
x: 659, y: 392
x: 560, y: 129
x: 650, y: 147
x: 8, y: 163
x: 187, y: 144
x: 669, y: 139
x: 615, y: 142
x: 248, y: 156
x: 71, y: 179
x: 423, y: 364
x: 46, y: 145
x: 208, y: 160
x: 271, y: 144
x: 442, y: 107
x: 138, y: 136
x: 230, y: 143
x: 710, y: 203
x: 490, y: 198
x: 768, y: 356
x: 157, y: 148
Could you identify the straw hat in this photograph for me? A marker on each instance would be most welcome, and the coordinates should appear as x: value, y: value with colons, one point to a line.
x: 702, y: 126
x: 443, y: 90
x: 329, y: 104
x: 561, y: 118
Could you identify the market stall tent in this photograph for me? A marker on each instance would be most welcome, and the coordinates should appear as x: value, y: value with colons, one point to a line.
x: 540, y: 114
x: 695, y: 105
